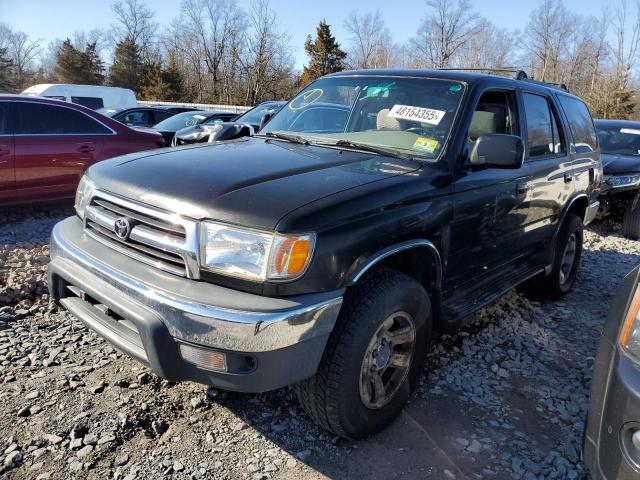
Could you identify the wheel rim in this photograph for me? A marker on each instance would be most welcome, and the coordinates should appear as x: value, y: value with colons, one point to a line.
x: 387, y: 360
x: 568, y: 258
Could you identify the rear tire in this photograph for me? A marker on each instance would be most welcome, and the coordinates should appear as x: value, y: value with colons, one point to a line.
x: 631, y: 223
x: 566, y: 262
x: 373, y: 358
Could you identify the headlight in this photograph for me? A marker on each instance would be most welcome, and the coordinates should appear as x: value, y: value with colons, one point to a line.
x: 253, y: 254
x: 623, y: 180
x: 83, y: 195
x: 630, y: 334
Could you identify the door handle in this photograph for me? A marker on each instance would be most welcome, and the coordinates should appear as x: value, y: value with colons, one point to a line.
x: 522, y: 189
x: 568, y: 178
x: 85, y: 148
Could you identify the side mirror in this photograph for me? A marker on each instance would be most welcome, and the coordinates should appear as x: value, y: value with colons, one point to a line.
x: 265, y: 119
x: 498, y: 151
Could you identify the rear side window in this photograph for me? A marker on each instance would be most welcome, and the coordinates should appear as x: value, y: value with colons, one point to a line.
x: 90, y: 102
x: 4, y: 118
x: 160, y: 116
x: 543, y: 136
x: 42, y: 119
x: 581, y: 124
x: 137, y: 118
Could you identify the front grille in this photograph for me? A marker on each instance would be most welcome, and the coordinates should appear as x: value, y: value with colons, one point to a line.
x: 158, y: 238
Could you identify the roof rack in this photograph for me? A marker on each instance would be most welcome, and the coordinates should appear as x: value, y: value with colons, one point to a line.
x: 518, y: 74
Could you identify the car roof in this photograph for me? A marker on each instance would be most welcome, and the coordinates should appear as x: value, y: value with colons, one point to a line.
x: 465, y: 76
x: 616, y: 123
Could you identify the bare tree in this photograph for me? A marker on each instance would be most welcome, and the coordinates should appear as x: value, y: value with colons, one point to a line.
x: 370, y: 41
x: 136, y: 21
x: 489, y: 47
x: 22, y: 51
x: 444, y: 32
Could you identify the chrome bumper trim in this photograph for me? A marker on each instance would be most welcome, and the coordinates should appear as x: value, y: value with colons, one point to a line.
x: 591, y: 212
x: 203, y: 323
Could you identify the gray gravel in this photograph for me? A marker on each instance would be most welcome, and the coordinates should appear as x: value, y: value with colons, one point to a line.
x: 504, y: 398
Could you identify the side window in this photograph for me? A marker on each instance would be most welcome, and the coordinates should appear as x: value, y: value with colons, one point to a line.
x: 543, y: 136
x: 90, y: 102
x: 138, y: 118
x: 4, y: 118
x: 495, y: 113
x: 160, y: 116
x: 43, y: 119
x: 580, y: 123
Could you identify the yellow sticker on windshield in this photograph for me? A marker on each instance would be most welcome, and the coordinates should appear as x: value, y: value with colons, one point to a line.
x: 428, y: 145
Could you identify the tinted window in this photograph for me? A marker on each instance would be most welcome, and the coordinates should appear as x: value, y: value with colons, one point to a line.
x: 581, y: 124
x: 137, y: 118
x: 89, y: 102
x: 543, y: 137
x: 160, y: 116
x: 4, y: 118
x: 41, y: 119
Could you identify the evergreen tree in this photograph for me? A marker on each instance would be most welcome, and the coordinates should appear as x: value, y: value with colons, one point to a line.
x: 7, y: 74
x: 76, y: 66
x: 172, y: 77
x: 126, y: 70
x: 324, y: 53
x: 152, y: 86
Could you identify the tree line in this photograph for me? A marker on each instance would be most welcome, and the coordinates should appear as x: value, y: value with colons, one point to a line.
x: 215, y: 51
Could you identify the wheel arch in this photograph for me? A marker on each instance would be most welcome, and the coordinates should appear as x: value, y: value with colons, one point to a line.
x: 577, y: 205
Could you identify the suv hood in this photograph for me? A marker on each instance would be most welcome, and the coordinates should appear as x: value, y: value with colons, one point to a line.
x: 252, y: 181
x: 618, y: 164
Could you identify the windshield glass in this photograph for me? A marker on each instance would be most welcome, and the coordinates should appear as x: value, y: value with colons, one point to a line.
x: 408, y: 115
x: 619, y: 140
x: 254, y: 116
x: 182, y: 120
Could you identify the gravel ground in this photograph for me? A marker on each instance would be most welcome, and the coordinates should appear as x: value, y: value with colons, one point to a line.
x: 504, y: 398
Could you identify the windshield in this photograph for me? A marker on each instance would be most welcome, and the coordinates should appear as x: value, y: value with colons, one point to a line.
x: 408, y: 115
x: 254, y: 116
x: 619, y: 140
x: 182, y: 120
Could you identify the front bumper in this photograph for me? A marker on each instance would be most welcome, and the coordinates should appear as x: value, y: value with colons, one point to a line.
x: 148, y: 313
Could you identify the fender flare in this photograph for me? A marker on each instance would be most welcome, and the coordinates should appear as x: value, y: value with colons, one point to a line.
x: 377, y: 257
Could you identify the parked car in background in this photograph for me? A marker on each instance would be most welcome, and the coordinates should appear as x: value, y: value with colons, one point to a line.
x: 620, y: 147
x: 139, y: 116
x: 612, y: 432
x: 170, y: 126
x: 376, y: 208
x: 90, y: 96
x: 46, y: 145
x: 176, y: 108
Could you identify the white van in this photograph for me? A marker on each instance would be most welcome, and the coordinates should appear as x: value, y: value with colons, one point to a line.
x: 91, y: 96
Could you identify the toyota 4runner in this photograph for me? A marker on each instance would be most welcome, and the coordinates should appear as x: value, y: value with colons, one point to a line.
x: 374, y: 209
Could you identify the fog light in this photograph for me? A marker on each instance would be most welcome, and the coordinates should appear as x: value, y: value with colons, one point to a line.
x: 204, y: 358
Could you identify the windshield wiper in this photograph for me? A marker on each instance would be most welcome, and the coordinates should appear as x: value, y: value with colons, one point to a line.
x: 285, y: 136
x: 390, y: 152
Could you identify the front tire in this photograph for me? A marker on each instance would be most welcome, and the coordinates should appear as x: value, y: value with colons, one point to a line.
x: 631, y: 223
x: 373, y: 358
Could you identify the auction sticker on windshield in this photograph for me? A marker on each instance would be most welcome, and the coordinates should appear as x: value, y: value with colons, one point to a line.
x: 416, y: 114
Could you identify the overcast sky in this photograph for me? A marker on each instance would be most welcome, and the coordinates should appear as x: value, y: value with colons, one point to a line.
x: 51, y: 19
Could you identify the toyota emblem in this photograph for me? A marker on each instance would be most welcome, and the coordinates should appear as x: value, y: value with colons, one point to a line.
x: 122, y: 228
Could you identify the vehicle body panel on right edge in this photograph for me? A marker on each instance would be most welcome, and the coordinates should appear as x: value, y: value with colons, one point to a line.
x: 612, y: 431
x: 374, y: 209
x: 620, y: 147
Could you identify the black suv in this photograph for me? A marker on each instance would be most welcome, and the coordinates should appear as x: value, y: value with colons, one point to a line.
x: 326, y: 250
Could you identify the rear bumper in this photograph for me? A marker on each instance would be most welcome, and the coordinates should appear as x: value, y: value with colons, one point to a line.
x: 268, y: 342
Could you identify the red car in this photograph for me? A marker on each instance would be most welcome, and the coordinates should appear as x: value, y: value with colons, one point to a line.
x: 46, y: 145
